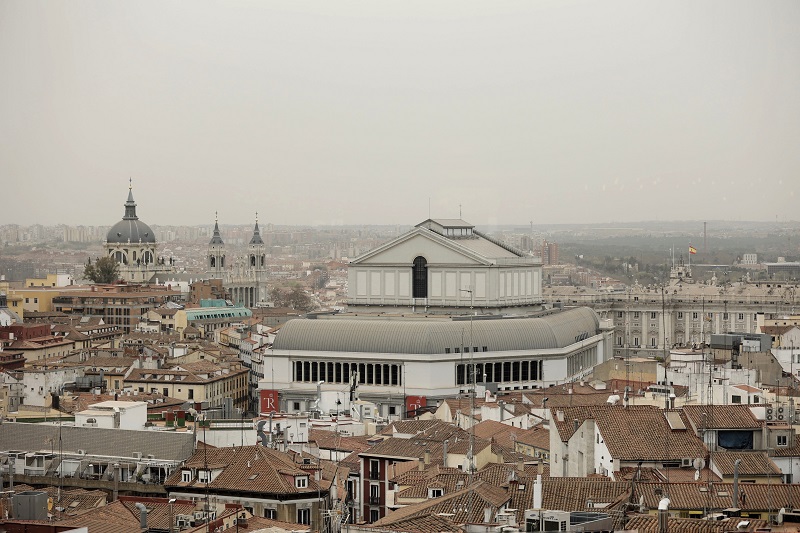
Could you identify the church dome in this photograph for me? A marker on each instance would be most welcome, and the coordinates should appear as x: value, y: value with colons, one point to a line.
x: 130, y: 228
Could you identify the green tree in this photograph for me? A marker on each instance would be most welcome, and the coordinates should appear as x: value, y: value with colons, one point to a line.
x: 104, y: 270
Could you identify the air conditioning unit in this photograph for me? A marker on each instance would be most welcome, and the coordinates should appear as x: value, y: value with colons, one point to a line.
x: 779, y: 417
x: 151, y: 456
x: 686, y: 462
x: 81, y: 452
x: 780, y: 410
x: 770, y: 413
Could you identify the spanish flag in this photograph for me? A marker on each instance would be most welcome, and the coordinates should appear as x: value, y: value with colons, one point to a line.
x: 692, y: 249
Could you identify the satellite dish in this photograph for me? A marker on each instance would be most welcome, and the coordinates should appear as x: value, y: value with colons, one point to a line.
x: 699, y: 463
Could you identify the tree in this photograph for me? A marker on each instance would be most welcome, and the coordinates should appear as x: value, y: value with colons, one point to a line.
x: 296, y: 298
x: 104, y: 270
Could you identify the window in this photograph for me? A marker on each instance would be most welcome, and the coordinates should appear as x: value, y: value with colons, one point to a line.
x: 271, y: 513
x: 296, y: 406
x: 741, y: 316
x: 374, y: 515
x: 304, y: 516
x: 435, y: 493
x: 36, y: 300
x: 186, y: 476
x: 782, y: 440
x: 301, y: 482
x: 636, y: 314
x: 724, y: 316
x: 680, y: 315
x: 166, y: 391
x: 619, y: 314
x: 653, y: 315
x: 694, y: 315
x: 736, y: 398
x: 191, y: 394
x: 636, y: 341
x: 420, y: 278
x: 653, y: 342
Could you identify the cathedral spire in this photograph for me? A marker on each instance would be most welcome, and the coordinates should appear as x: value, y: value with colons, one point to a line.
x: 256, y: 239
x: 130, y: 205
x: 216, y: 238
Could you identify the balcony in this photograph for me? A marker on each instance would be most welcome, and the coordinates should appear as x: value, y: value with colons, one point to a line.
x: 374, y: 500
x: 374, y: 475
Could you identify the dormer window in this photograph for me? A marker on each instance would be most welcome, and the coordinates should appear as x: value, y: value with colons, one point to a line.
x: 435, y: 493
x: 301, y: 482
x: 186, y: 476
x: 203, y: 476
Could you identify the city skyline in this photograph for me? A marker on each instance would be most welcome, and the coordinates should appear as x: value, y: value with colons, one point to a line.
x: 333, y: 114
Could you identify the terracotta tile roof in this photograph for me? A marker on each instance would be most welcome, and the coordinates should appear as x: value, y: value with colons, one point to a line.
x: 537, y: 436
x: 473, y: 498
x: 331, y: 440
x: 721, y: 417
x: 649, y: 524
x: 634, y: 433
x: 753, y: 463
x: 158, y: 510
x: 245, y: 469
x: 502, y: 434
x: 776, y: 330
x: 788, y: 451
x: 759, y: 497
x: 421, y: 524
x: 571, y: 494
x: 112, y: 518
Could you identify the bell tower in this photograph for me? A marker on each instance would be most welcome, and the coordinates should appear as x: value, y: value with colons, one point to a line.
x: 216, y: 252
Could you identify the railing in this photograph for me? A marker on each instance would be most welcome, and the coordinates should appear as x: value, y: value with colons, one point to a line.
x: 374, y: 500
x: 374, y: 475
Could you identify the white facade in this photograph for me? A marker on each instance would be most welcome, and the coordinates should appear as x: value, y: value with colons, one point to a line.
x: 457, y: 273
x: 113, y: 415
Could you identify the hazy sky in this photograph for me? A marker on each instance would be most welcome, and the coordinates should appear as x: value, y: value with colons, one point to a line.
x: 352, y: 112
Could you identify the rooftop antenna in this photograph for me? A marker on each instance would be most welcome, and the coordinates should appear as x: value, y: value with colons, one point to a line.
x: 459, y: 210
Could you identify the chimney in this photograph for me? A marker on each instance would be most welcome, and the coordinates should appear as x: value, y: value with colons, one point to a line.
x: 540, y: 468
x: 142, y: 515
x: 520, y: 466
x: 421, y: 464
x: 736, y: 482
x: 663, y: 515
x: 537, y: 492
x: 427, y: 458
x: 444, y: 453
x: 116, y: 482
x: 575, y: 425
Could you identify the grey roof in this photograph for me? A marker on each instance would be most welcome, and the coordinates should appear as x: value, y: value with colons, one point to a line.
x: 432, y: 336
x: 217, y: 238
x: 256, y: 238
x: 164, y: 445
x: 130, y: 228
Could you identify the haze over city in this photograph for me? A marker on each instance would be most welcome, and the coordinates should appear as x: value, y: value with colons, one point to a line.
x: 381, y: 113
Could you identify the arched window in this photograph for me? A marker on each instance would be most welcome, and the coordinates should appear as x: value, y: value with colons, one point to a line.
x: 213, y: 261
x: 252, y: 260
x: 420, y: 277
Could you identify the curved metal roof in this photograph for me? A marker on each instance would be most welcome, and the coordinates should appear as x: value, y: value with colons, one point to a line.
x: 126, y: 231
x: 433, y: 336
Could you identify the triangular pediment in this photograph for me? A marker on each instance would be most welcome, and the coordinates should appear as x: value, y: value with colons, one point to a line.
x: 421, y: 242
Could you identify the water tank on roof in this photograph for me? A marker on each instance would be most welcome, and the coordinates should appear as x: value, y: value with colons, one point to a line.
x: 30, y: 505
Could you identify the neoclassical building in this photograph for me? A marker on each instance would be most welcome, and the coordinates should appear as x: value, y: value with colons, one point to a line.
x: 132, y: 244
x: 406, y: 334
x: 445, y: 266
x: 245, y: 277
